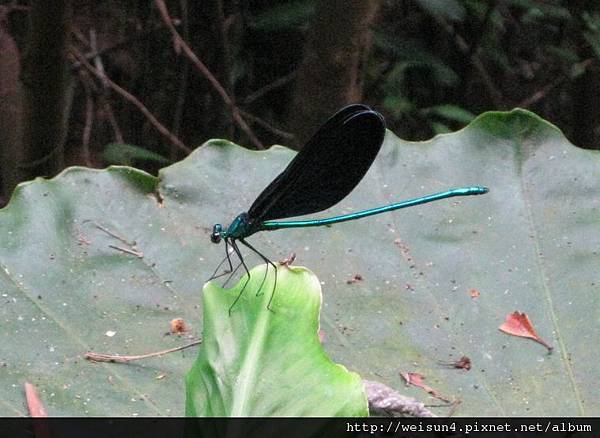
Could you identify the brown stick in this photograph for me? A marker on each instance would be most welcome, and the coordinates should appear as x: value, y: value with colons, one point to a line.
x: 128, y: 251
x: 132, y: 99
x: 112, y: 121
x: 183, y: 81
x: 277, y: 83
x: 181, y: 44
x: 541, y: 94
x: 494, y: 93
x: 89, y: 120
x: 113, y: 234
x: 89, y: 84
x: 18, y: 8
x: 99, y: 357
x: 268, y: 126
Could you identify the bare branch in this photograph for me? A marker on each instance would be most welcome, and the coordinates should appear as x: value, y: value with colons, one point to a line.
x: 182, y: 45
x: 268, y: 126
x: 277, y: 83
x: 99, y: 357
x: 132, y: 99
x: 89, y: 121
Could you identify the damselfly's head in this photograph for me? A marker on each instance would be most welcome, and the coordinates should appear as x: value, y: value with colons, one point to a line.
x: 215, y: 236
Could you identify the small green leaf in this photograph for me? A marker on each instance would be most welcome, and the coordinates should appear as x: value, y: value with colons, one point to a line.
x: 439, y: 128
x: 283, y: 16
x: 451, y: 112
x: 592, y: 32
x: 450, y: 9
x: 413, y: 54
x: 257, y: 362
x: 128, y: 154
x: 398, y: 106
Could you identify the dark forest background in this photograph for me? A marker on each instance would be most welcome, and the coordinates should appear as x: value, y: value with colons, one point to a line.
x: 144, y: 82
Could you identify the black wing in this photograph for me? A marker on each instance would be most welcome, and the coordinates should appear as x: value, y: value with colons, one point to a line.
x: 327, y: 169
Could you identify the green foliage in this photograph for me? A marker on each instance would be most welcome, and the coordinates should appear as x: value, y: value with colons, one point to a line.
x: 411, y: 54
x: 474, y: 55
x: 283, y: 16
x: 128, y: 155
x: 450, y: 9
x: 399, y: 102
x: 540, y: 13
x: 103, y: 260
x: 451, y: 113
x: 480, y: 55
x: 592, y: 31
x: 257, y: 362
x: 440, y: 128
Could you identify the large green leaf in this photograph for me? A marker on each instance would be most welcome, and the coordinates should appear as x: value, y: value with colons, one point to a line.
x: 531, y: 244
x: 259, y: 362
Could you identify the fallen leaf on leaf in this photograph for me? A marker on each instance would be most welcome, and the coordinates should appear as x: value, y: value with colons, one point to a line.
x: 417, y: 379
x: 34, y: 404
x: 41, y: 427
x: 519, y: 324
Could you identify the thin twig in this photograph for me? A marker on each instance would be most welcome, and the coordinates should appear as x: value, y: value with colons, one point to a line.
x: 277, y: 83
x: 463, y: 46
x: 39, y: 161
x: 112, y: 121
x: 123, y: 44
x: 17, y: 8
x: 132, y: 248
x: 99, y: 357
x: 181, y: 44
x: 89, y: 119
x: 485, y: 24
x: 540, y: 94
x: 104, y: 101
x: 183, y: 81
x: 132, y: 99
x: 454, y: 407
x: 128, y: 251
x: 113, y: 234
x: 268, y: 126
x: 220, y: 29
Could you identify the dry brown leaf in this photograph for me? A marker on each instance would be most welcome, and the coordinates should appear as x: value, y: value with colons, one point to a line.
x: 519, y: 324
x: 34, y: 404
x: 417, y: 379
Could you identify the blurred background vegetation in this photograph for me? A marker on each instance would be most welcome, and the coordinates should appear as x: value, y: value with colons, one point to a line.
x: 145, y: 82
